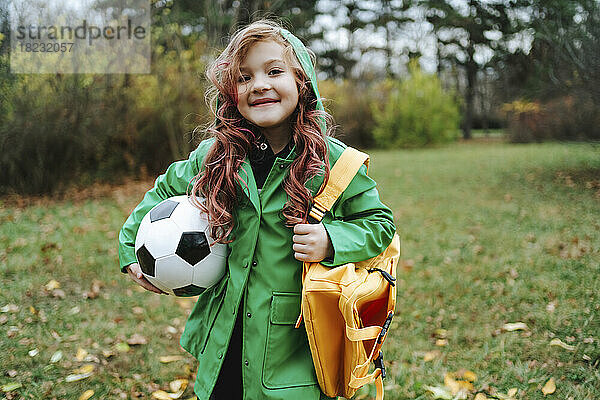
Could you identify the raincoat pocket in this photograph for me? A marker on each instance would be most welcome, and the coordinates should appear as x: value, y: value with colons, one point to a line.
x: 288, y: 362
x: 202, y: 318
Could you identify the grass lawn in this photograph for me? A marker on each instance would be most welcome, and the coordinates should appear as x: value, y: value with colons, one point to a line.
x: 492, y: 234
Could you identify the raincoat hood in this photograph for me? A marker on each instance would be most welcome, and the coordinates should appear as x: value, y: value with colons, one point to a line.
x: 307, y: 66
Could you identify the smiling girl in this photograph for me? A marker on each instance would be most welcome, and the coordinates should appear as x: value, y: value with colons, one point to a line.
x: 268, y: 156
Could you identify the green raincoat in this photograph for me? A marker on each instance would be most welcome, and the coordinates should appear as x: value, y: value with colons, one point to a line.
x: 262, y: 272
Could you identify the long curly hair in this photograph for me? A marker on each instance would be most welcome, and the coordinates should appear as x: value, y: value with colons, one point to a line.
x: 235, y: 136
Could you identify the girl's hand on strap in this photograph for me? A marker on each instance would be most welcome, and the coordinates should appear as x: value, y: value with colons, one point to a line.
x: 135, y: 273
x: 311, y: 243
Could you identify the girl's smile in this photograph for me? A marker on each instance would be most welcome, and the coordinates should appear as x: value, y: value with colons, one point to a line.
x: 267, y: 91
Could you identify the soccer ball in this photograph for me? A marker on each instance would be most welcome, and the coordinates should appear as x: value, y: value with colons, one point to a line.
x: 173, y: 249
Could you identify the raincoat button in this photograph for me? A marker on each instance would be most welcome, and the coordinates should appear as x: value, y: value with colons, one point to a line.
x: 246, y: 363
x: 281, y: 166
x: 254, y: 263
x: 220, y: 355
x: 249, y: 315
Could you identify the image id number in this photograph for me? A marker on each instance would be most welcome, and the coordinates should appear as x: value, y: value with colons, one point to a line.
x: 46, y: 47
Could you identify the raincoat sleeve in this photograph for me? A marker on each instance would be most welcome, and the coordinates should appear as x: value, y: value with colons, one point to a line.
x: 359, y: 226
x: 173, y: 182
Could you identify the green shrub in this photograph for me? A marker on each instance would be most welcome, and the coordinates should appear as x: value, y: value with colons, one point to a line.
x: 350, y: 104
x: 415, y: 112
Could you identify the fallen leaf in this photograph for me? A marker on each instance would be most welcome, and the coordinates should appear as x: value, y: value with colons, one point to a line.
x: 108, y: 353
x: 431, y: 355
x: 451, y: 383
x: 137, y: 310
x: 86, y: 395
x: 86, y: 369
x: 50, y: 286
x: 171, y: 329
x: 12, y: 331
x: 81, y: 353
x: 11, y: 373
x: 58, y: 293
x: 512, y: 392
x: 440, y: 333
x: 137, y: 339
x: 168, y: 359
x: 33, y: 352
x: 439, y: 392
x: 161, y: 395
x: 560, y: 343
x: 178, y: 385
x: 470, y: 376
x: 9, y: 387
x: 77, y: 377
x: 480, y: 396
x: 515, y: 326
x: 441, y: 342
x: 549, y: 387
x: 11, y: 308
x: 122, y: 347
x: 56, y: 357
x: 407, y: 265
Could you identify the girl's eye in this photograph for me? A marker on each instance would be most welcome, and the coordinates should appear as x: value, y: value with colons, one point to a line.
x: 243, y: 78
x: 275, y: 71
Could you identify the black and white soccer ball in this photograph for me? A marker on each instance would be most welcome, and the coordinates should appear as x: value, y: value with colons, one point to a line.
x: 173, y: 248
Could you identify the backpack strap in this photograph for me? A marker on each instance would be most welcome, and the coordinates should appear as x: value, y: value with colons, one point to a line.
x: 340, y: 176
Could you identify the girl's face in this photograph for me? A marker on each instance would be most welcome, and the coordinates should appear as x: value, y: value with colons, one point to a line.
x: 267, y: 92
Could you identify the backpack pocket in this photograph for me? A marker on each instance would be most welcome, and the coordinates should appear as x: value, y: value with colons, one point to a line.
x: 288, y: 361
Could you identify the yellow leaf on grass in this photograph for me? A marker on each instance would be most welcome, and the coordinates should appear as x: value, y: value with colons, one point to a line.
x: 81, y: 353
x: 480, y: 396
x: 52, y: 285
x: 122, y: 347
x: 56, y: 357
x: 86, y: 369
x: 178, y: 385
x: 86, y: 395
x: 512, y: 392
x: 431, y: 355
x: 161, y: 395
x: 439, y: 392
x: 549, y: 387
x: 451, y: 383
x: 441, y: 342
x: 470, y: 376
x: 168, y: 359
x: 560, y: 343
x: 77, y: 377
x: 515, y: 326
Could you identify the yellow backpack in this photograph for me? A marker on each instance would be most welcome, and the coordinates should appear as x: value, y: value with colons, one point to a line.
x: 347, y: 310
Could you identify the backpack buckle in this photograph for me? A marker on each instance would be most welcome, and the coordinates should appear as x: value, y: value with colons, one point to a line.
x: 385, y: 327
x: 379, y: 364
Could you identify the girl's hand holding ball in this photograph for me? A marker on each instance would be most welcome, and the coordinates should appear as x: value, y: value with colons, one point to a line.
x: 135, y: 273
x: 311, y: 243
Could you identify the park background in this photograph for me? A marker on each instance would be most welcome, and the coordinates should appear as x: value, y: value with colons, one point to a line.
x: 481, y: 119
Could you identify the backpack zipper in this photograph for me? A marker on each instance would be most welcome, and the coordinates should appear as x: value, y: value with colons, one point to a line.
x: 385, y: 275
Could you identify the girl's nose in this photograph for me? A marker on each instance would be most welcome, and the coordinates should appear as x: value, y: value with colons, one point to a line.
x: 261, y: 84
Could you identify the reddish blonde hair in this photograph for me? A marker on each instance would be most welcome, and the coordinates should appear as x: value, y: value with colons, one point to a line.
x: 235, y: 136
